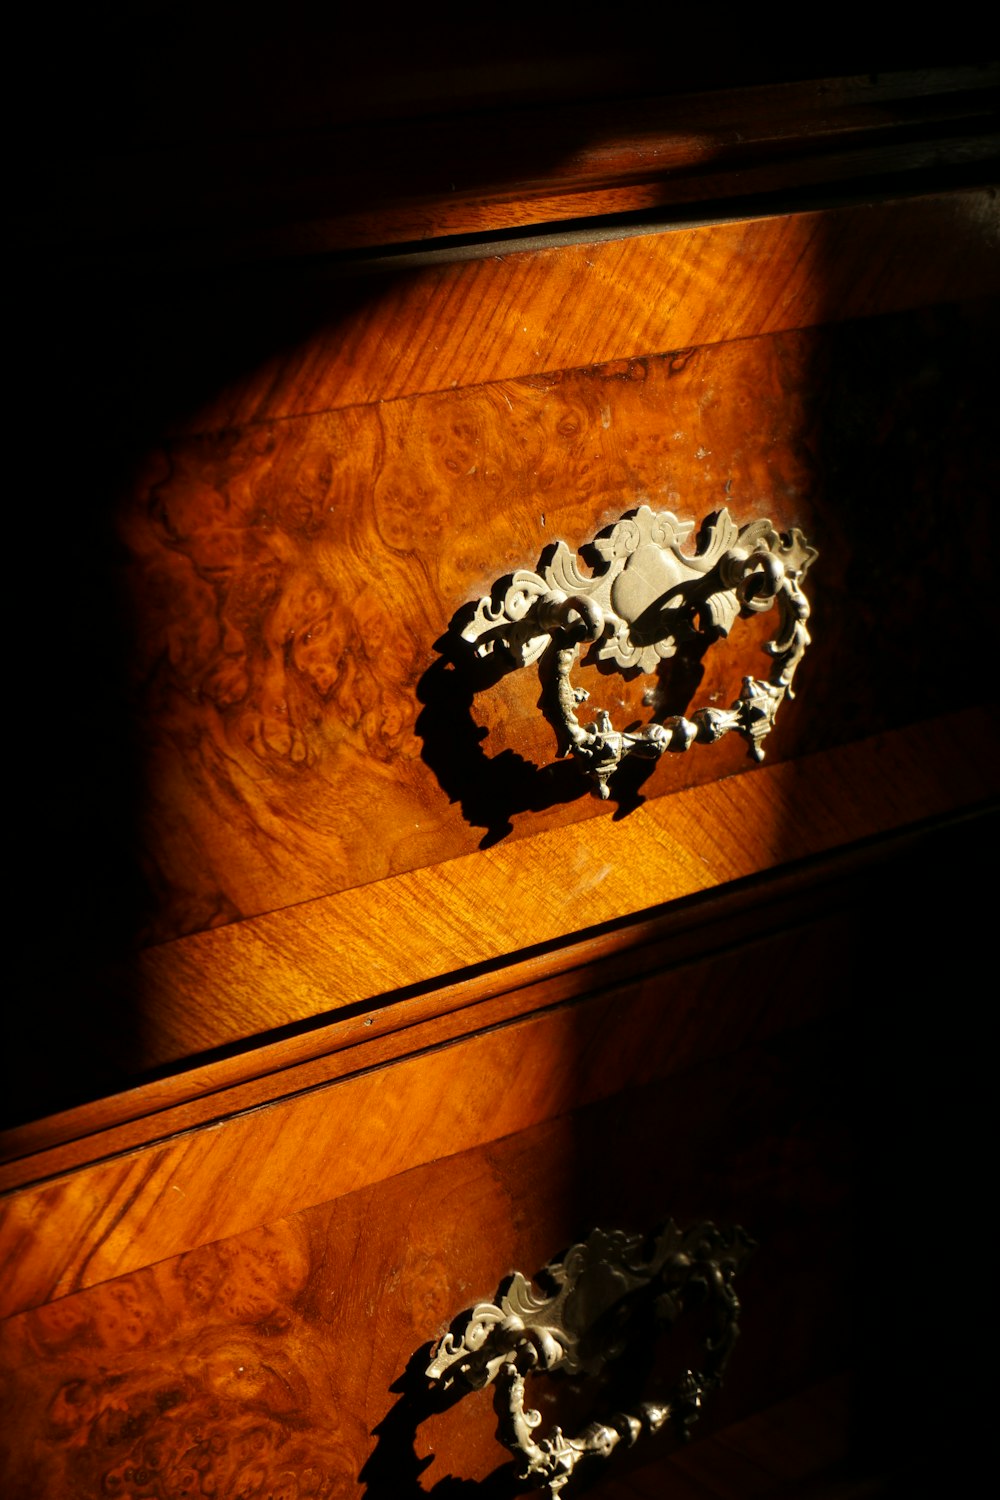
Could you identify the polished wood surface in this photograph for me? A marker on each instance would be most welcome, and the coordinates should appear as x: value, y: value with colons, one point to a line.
x: 245, y: 1170
x: 318, y: 957
x: 345, y: 336
x: 311, y: 1332
x: 515, y: 985
x: 324, y: 1139
x: 295, y: 774
x: 365, y: 182
x: 301, y: 733
x: 271, y: 725
x: 370, y: 1003
x: 798, y: 1071
x: 346, y: 953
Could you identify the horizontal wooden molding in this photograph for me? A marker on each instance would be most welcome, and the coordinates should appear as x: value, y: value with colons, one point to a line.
x: 380, y: 1025
x: 503, y: 311
x: 230, y: 983
x: 263, y: 1164
x: 352, y: 184
x: 843, y: 952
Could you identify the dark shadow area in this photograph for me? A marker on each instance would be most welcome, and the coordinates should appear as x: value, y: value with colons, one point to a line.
x: 126, y: 326
x: 493, y: 789
x: 853, y: 1142
x: 900, y: 412
x: 206, y: 122
x: 649, y: 1339
x: 393, y: 1470
x: 859, y: 1141
x: 921, y: 1101
x: 112, y: 356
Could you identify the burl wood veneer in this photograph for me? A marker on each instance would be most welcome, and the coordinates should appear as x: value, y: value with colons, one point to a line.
x: 300, y: 733
x: 290, y: 794
x: 349, y: 998
x: 189, y: 1315
x: 293, y: 1353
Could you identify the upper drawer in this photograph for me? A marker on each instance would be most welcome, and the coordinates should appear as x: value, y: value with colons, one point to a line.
x: 303, y: 800
x: 309, y: 724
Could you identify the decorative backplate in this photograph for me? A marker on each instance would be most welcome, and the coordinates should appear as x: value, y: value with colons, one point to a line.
x: 639, y: 607
x: 609, y: 1294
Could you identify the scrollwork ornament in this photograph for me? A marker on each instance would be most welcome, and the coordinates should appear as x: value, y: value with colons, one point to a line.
x: 647, y: 599
x: 610, y: 1286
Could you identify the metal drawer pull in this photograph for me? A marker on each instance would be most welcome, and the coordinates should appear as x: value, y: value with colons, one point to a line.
x: 644, y: 604
x: 611, y: 1292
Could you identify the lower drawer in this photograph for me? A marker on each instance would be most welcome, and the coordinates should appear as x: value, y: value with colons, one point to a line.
x: 270, y: 1359
x: 289, y: 1359
x: 783, y: 1086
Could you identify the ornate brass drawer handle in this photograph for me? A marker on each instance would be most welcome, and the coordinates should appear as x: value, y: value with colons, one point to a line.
x: 647, y: 600
x: 610, y: 1293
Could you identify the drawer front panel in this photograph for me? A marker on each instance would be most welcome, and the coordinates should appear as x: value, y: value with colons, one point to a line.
x: 293, y: 1354
x: 301, y: 734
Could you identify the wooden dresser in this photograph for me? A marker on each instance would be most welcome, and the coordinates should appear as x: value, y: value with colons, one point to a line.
x: 341, y: 996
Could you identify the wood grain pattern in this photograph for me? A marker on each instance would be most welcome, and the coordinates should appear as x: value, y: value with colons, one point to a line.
x: 119, y: 1215
x: 290, y: 584
x: 261, y: 732
x: 283, y: 1349
x: 372, y: 183
x: 513, y: 987
x: 504, y: 311
x: 299, y: 732
x: 797, y: 1107
x: 259, y: 716
x: 313, y: 959
x: 677, y: 177
x: 861, y: 958
x: 253, y: 743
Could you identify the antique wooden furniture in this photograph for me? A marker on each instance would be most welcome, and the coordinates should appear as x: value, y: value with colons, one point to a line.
x: 355, y: 1000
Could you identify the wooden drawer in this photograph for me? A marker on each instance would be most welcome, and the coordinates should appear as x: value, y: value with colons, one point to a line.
x: 354, y: 998
x: 306, y: 797
x: 296, y: 1349
x: 257, y: 1299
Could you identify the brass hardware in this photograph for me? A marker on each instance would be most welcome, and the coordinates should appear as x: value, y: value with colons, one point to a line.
x: 610, y: 1291
x: 641, y: 608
